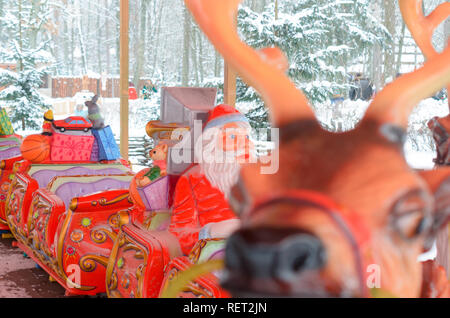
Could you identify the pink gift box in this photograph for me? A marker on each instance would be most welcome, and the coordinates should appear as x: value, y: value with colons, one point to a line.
x: 71, y: 147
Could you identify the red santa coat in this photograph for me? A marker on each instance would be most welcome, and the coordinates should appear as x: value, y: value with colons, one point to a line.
x: 196, y: 203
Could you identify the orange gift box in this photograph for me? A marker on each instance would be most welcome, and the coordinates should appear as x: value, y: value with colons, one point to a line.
x: 71, y: 147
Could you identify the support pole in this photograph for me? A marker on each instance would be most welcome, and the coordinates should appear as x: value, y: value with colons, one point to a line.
x: 229, y: 86
x: 124, y: 77
x: 229, y: 82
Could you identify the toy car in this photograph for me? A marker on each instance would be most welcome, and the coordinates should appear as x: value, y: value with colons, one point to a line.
x: 73, y: 123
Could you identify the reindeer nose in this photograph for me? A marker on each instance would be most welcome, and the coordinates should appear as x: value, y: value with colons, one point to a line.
x: 273, y: 253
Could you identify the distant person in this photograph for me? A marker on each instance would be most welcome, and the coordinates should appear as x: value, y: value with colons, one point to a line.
x: 80, y: 111
x: 148, y: 89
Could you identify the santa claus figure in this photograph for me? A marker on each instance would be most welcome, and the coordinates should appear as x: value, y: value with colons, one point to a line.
x: 200, y: 209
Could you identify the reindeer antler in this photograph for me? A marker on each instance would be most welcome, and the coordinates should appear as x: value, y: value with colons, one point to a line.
x: 263, y: 69
x: 422, y: 27
x: 395, y: 102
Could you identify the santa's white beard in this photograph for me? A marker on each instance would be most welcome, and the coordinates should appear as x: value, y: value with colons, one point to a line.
x: 221, y: 168
x: 222, y: 176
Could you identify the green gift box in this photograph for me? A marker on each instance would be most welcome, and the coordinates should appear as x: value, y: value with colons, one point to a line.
x: 5, y: 124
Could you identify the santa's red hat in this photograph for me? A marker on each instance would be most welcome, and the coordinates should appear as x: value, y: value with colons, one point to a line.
x: 223, y: 114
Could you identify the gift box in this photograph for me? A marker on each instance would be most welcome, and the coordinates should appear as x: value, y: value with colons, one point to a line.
x: 156, y: 194
x: 107, y: 146
x: 5, y: 124
x: 94, y: 152
x: 71, y: 147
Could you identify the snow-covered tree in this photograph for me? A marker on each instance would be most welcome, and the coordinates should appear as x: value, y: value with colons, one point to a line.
x: 21, y: 94
x: 321, y: 39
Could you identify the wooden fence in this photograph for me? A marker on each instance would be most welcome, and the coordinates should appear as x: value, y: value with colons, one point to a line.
x: 63, y: 87
x: 139, y: 148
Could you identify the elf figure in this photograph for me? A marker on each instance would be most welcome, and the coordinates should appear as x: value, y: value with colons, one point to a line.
x: 47, y: 125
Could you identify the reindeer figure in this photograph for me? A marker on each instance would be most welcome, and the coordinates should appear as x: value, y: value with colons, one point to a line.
x: 344, y: 213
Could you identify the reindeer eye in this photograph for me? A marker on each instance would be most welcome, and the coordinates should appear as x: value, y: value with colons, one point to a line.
x: 411, y: 215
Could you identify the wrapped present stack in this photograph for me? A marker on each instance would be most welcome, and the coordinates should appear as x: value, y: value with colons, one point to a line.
x: 5, y: 124
x: 71, y: 147
x: 107, y: 146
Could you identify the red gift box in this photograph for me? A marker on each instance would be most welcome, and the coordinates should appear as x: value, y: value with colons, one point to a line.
x: 71, y: 147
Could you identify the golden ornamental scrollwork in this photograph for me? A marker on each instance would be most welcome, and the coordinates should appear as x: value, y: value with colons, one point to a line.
x: 192, y: 287
x: 105, y: 202
x: 12, y: 205
x: 88, y: 263
x: 112, y: 284
x: 113, y: 220
x: 39, y: 207
x: 125, y: 244
x: 100, y: 235
x: 111, y: 273
x: 59, y: 267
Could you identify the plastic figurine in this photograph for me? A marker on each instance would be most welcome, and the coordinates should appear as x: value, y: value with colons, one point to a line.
x: 72, y: 123
x: 94, y: 113
x: 148, y: 89
x: 159, y: 157
x: 132, y: 92
x: 200, y: 209
x: 333, y: 221
x: 80, y: 111
x: 47, y: 125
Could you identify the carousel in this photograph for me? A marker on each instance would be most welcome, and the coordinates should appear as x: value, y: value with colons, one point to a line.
x: 204, y: 221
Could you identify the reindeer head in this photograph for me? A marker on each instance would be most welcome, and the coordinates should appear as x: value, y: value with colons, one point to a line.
x: 343, y: 206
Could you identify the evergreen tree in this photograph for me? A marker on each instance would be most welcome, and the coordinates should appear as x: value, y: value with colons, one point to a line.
x: 21, y: 94
x: 321, y: 38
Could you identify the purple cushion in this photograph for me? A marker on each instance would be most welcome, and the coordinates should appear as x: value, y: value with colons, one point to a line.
x: 9, y: 142
x: 9, y: 152
x: 70, y: 190
x: 43, y: 177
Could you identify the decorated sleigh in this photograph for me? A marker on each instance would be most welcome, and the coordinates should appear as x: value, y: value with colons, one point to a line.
x: 146, y: 257
x: 62, y: 202
x: 9, y: 154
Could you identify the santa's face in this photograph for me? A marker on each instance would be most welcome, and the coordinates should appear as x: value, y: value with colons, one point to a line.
x: 235, y: 140
x: 223, y: 150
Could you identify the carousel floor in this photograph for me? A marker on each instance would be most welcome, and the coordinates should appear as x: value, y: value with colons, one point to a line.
x: 20, y: 278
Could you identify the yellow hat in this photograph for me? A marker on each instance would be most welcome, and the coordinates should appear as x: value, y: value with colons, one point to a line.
x: 48, y: 115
